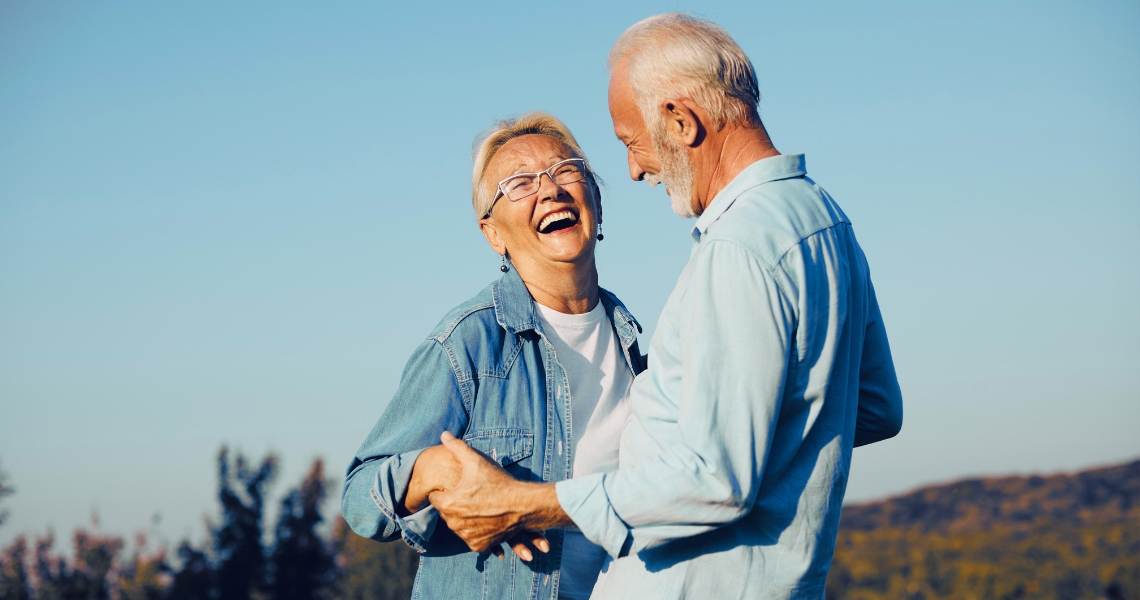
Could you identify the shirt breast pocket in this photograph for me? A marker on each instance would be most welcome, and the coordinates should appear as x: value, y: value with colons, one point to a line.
x: 512, y: 448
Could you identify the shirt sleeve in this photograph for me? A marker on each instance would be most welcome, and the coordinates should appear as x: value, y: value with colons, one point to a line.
x: 880, y: 398
x: 734, y: 327
x: 427, y: 402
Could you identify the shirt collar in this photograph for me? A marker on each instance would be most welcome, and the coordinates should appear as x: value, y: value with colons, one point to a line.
x: 773, y: 168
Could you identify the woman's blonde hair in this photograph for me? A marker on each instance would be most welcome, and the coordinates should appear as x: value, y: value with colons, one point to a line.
x: 488, y: 143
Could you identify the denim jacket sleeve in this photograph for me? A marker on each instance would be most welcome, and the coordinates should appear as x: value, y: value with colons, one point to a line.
x: 427, y: 402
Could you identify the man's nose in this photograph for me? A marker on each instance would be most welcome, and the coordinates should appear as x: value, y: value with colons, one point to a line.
x: 636, y: 173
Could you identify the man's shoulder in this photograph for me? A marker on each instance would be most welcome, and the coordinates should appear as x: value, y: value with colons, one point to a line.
x: 770, y: 219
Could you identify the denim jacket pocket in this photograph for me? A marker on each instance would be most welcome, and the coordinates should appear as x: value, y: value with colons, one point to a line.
x: 504, y: 446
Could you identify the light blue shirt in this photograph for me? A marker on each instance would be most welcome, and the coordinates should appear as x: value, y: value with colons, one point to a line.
x: 769, y: 363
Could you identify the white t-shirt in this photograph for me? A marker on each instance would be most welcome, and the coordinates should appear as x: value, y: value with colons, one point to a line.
x: 587, y: 347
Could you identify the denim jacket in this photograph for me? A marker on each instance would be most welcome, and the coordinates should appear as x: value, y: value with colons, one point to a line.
x: 488, y: 375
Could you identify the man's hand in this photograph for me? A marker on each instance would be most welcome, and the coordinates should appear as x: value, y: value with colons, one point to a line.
x: 488, y: 506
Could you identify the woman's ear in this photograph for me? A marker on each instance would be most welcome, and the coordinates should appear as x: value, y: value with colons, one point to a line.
x: 487, y: 226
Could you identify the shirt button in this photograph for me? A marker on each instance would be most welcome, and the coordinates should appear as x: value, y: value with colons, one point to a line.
x: 559, y: 446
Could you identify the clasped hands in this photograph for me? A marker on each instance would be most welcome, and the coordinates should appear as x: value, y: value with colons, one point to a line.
x: 483, y: 504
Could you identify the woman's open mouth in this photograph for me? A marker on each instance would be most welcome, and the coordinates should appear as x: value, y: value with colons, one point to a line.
x: 557, y: 221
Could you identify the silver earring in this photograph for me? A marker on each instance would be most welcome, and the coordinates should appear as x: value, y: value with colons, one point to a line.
x: 600, y: 236
x: 504, y: 267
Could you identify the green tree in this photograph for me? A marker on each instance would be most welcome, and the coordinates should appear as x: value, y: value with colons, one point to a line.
x: 194, y: 580
x: 238, y: 548
x: 88, y: 578
x: 143, y: 577
x: 301, y: 566
x: 14, y: 584
x: 6, y: 490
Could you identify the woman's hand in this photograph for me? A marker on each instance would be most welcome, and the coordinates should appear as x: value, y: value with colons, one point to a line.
x: 436, y: 470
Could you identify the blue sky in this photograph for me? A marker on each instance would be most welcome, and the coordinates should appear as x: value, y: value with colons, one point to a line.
x: 230, y: 224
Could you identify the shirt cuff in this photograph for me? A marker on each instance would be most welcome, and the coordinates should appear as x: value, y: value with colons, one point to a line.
x: 585, y: 501
x: 392, y: 479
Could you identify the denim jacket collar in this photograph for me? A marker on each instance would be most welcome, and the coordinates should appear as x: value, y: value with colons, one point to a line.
x: 623, y: 321
x: 514, y: 308
x: 515, y: 312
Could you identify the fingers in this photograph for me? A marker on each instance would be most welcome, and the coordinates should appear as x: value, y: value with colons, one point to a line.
x: 458, y: 448
x: 538, y: 540
x: 521, y: 543
x: 520, y: 549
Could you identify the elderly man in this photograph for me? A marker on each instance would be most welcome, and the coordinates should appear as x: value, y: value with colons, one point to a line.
x: 769, y: 364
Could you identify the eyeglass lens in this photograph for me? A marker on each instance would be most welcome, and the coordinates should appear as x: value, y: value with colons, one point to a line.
x: 524, y: 184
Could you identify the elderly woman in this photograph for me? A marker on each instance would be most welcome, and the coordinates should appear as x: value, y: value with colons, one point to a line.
x: 534, y: 372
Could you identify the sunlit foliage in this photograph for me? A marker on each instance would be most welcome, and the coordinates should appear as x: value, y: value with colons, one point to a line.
x: 1066, y: 536
x: 371, y: 571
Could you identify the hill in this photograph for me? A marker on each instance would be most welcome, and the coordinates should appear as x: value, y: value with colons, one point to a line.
x: 1064, y: 536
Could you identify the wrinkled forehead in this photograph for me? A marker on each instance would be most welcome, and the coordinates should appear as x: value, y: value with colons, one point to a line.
x: 624, y: 112
x: 528, y: 153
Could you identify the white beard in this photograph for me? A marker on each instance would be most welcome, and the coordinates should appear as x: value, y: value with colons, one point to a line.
x: 676, y: 173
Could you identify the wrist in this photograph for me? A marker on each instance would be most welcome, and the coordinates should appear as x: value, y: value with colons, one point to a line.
x: 420, y: 485
x: 538, y: 507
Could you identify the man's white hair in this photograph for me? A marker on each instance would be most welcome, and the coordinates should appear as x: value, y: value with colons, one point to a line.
x: 675, y: 55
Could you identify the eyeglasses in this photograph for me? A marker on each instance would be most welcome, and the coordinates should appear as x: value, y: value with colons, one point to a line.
x: 520, y: 185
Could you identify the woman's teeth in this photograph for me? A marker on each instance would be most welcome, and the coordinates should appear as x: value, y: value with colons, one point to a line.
x: 555, y: 217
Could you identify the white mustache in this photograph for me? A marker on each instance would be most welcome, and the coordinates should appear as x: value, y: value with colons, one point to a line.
x: 653, y: 179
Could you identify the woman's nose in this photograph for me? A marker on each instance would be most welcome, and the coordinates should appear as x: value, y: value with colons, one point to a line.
x: 547, y: 188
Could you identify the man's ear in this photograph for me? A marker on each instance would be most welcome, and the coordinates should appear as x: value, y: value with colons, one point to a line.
x: 487, y: 226
x: 683, y: 121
